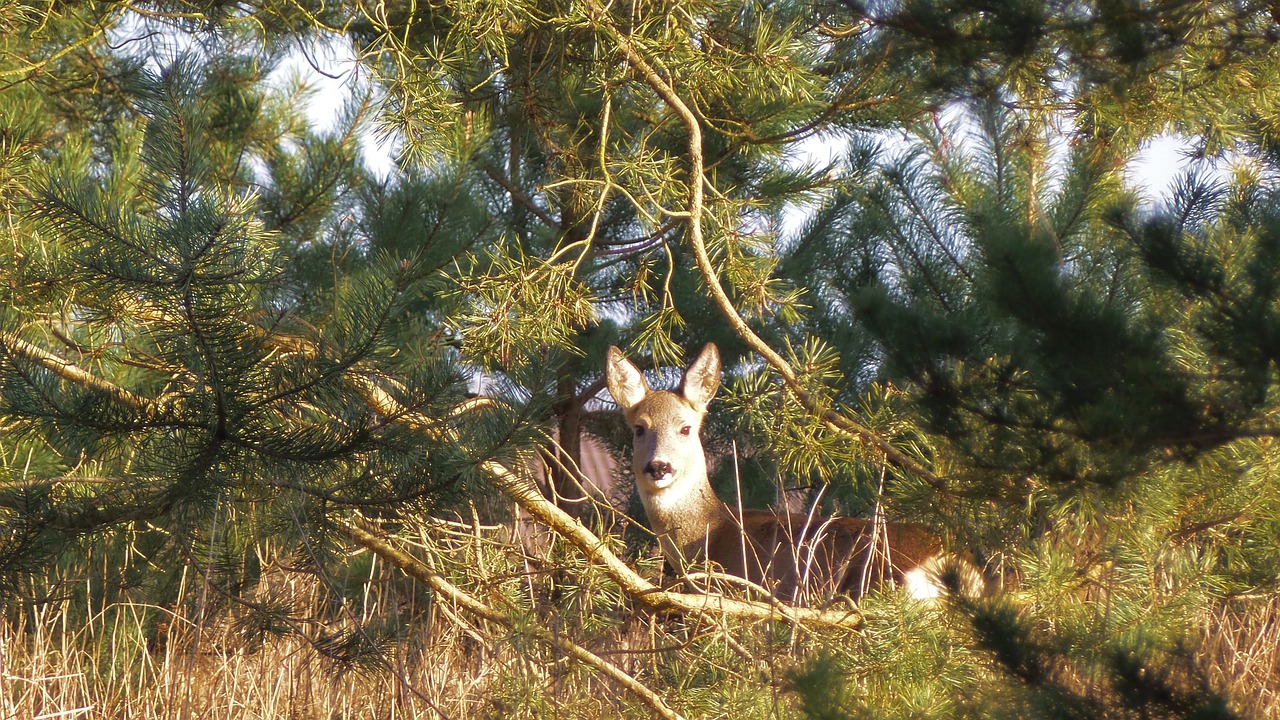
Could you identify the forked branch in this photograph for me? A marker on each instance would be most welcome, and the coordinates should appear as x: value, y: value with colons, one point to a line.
x: 519, y: 488
x: 420, y: 571
x: 835, y: 421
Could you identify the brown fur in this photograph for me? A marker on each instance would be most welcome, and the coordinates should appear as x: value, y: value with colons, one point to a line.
x: 793, y: 556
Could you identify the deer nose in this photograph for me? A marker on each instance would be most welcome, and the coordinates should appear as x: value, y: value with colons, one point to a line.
x: 657, y: 469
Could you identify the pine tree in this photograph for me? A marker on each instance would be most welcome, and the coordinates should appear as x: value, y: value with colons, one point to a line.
x: 1075, y: 362
x: 186, y: 375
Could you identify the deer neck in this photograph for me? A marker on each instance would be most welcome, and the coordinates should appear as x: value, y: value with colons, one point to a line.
x: 684, y: 515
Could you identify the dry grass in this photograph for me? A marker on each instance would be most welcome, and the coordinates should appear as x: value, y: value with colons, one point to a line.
x: 117, y: 665
x: 135, y: 660
x: 130, y: 659
x: 1240, y: 646
x: 113, y: 667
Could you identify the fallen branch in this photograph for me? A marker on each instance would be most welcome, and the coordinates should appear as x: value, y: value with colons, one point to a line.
x: 419, y: 571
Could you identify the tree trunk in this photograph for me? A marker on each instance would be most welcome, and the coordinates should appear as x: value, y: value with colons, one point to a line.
x: 566, y: 480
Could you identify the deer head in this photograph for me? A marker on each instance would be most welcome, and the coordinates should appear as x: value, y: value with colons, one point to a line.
x: 667, y: 458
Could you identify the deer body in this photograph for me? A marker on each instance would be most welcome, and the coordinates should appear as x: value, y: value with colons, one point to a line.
x: 792, y: 555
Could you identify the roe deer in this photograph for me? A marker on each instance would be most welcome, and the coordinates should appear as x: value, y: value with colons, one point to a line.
x: 794, y: 556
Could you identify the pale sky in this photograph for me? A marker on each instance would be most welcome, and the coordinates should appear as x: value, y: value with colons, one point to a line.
x: 333, y: 71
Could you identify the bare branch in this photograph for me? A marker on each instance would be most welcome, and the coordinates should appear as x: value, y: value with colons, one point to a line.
x: 832, y: 420
x: 519, y: 196
x: 419, y: 571
x: 11, y: 344
x: 525, y: 493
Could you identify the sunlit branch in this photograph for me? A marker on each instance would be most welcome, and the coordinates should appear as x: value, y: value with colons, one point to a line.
x: 421, y: 572
x: 696, y: 203
x: 13, y: 345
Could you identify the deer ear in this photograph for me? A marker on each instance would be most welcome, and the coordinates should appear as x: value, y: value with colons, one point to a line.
x: 626, y: 382
x: 702, y: 379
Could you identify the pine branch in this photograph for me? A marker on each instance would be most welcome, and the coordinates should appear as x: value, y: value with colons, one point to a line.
x: 419, y: 570
x: 696, y: 207
x: 524, y: 492
x: 31, y: 69
x: 11, y: 344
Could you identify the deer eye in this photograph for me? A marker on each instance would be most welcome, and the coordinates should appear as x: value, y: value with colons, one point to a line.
x: 639, y: 431
x: 686, y: 430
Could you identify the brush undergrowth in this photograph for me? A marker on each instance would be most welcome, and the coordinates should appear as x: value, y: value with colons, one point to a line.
x: 369, y: 643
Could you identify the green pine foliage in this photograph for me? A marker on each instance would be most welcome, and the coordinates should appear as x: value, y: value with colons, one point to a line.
x: 223, y: 340
x: 1103, y: 440
x: 183, y: 383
